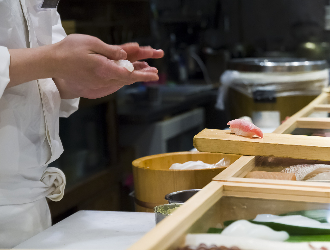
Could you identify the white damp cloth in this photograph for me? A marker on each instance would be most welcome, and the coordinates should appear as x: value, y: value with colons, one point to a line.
x: 54, y: 178
x: 199, y: 165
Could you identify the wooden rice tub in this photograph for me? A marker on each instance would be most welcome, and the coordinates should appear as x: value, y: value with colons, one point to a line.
x: 153, y: 179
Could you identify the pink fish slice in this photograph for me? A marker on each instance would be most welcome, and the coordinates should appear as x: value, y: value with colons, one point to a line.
x: 244, y: 128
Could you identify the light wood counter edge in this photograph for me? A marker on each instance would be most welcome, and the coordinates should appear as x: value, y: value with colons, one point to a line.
x: 172, y: 230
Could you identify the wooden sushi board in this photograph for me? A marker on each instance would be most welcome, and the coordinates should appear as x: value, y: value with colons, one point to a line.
x: 278, y: 145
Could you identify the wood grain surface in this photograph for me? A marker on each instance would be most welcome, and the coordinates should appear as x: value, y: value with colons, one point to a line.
x: 279, y: 145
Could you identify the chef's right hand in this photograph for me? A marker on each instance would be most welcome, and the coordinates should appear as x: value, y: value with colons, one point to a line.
x: 83, y: 67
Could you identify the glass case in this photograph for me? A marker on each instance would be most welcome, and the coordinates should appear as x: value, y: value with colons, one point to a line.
x: 229, y: 215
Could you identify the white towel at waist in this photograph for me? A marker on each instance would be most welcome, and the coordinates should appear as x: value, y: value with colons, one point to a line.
x: 54, y: 178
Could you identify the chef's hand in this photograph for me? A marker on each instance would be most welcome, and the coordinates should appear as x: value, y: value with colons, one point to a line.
x: 67, y: 90
x: 85, y: 67
x: 135, y: 52
x: 81, y: 66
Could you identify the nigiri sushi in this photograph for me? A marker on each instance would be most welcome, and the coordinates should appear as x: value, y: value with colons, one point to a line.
x: 244, y: 128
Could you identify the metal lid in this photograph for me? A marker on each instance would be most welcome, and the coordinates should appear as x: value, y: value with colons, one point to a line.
x: 276, y: 65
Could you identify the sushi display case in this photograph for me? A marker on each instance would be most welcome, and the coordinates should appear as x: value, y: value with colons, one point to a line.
x: 225, y: 215
x: 282, y: 186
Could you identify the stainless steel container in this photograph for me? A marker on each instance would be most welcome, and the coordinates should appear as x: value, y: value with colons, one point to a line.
x: 180, y: 196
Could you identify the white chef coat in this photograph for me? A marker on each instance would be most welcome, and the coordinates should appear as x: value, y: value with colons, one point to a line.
x: 29, y: 125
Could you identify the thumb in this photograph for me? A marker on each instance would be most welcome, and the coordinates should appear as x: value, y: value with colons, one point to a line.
x: 112, y: 52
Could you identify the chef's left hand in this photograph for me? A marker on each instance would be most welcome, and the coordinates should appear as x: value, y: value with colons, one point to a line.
x: 135, y: 52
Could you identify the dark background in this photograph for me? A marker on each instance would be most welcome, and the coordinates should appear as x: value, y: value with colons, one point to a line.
x: 97, y: 166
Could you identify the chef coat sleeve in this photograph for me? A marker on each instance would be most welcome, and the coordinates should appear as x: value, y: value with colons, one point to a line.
x: 68, y: 106
x: 4, y: 69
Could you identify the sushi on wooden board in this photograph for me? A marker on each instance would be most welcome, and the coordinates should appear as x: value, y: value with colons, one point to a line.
x: 244, y: 128
x: 279, y: 145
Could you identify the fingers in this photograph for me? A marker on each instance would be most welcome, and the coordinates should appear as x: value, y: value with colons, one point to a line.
x: 158, y: 54
x: 142, y: 73
x: 151, y: 69
x: 143, y: 76
x: 108, y: 70
x: 130, y: 48
x: 112, y: 52
x: 140, y: 65
x: 112, y: 85
x: 144, y: 66
x: 149, y: 52
x: 135, y: 52
x: 144, y: 53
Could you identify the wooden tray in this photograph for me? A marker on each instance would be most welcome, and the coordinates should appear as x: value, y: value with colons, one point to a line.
x: 238, y: 170
x: 221, y: 201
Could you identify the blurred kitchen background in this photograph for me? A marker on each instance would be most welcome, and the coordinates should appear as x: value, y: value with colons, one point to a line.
x: 199, y: 39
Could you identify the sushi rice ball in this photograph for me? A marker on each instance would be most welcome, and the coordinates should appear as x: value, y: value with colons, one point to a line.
x: 126, y: 64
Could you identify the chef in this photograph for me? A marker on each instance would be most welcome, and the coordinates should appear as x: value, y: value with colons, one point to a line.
x: 42, y: 75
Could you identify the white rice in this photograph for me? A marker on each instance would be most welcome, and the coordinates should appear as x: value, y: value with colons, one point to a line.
x: 126, y: 64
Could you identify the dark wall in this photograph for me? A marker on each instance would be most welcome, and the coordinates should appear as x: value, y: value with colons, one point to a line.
x: 272, y: 24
